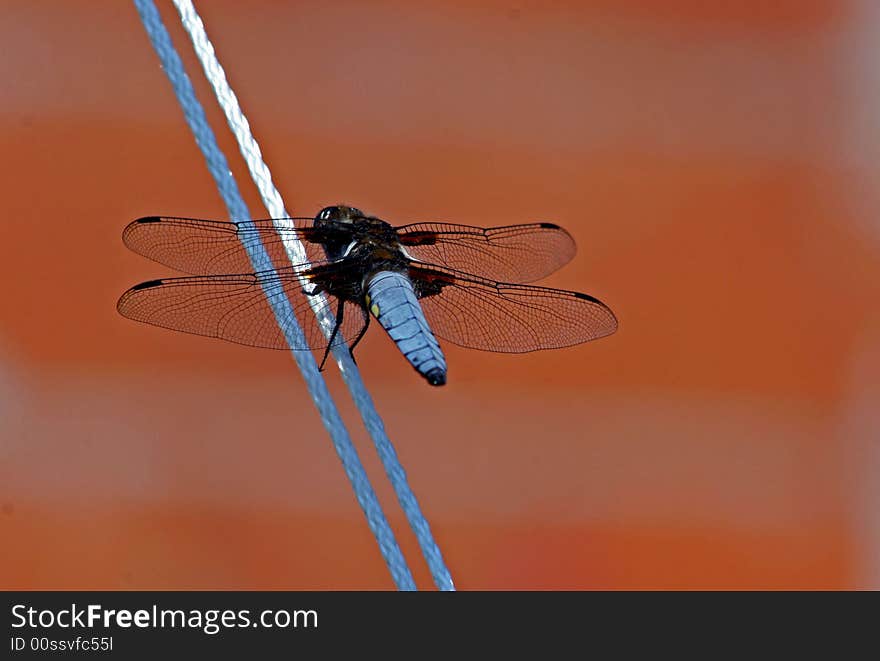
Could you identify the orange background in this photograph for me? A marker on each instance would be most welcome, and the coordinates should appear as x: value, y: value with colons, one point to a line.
x: 715, y: 165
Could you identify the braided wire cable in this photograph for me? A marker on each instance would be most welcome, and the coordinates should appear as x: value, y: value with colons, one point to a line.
x: 316, y: 385
x: 274, y: 204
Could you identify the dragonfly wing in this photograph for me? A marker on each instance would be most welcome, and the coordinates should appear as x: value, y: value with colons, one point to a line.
x: 515, y: 253
x: 236, y: 308
x: 504, y: 317
x: 204, y: 247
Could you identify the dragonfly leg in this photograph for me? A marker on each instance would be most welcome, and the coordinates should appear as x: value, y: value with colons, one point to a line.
x: 358, y: 339
x: 340, y: 310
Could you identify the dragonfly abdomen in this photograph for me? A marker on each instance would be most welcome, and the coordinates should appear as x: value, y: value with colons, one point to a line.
x: 392, y: 300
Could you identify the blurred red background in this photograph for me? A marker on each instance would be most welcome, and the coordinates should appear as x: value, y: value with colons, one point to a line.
x: 715, y: 165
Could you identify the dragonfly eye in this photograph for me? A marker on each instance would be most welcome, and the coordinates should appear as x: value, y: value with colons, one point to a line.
x: 355, y: 212
x: 328, y: 213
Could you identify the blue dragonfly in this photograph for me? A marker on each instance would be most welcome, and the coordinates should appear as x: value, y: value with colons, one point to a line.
x: 465, y: 285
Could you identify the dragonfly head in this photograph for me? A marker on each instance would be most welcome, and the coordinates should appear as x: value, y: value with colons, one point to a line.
x: 338, y: 214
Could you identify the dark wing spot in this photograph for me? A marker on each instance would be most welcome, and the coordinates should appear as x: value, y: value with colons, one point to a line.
x: 149, y: 219
x: 592, y: 299
x: 418, y: 239
x: 429, y: 275
x: 147, y: 285
x: 550, y: 226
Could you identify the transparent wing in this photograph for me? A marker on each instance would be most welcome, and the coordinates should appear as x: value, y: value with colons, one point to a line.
x: 236, y: 308
x: 203, y: 247
x: 509, y: 318
x: 515, y: 253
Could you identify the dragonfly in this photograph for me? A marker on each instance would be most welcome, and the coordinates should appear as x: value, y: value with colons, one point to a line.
x: 466, y: 285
